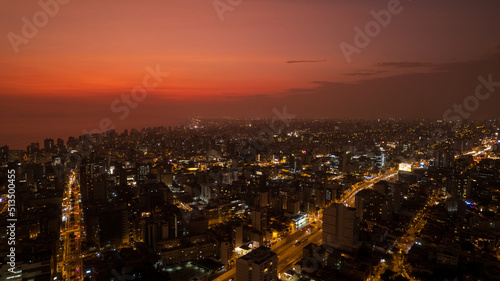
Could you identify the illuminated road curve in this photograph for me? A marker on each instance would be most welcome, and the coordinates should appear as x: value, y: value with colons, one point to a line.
x: 71, y: 232
x: 288, y: 254
x: 349, y: 196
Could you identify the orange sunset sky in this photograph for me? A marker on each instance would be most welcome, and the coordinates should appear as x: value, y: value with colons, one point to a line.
x: 260, y: 55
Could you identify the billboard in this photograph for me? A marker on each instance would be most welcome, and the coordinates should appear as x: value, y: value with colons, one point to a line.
x: 405, y: 167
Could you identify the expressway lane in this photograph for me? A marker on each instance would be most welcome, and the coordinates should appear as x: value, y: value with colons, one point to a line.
x: 288, y: 255
x: 349, y: 196
x: 70, y: 263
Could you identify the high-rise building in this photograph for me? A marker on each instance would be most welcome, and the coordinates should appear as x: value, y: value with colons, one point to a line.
x: 4, y: 154
x: 107, y: 226
x: 60, y: 143
x: 344, y: 161
x: 293, y: 207
x: 259, y: 265
x: 259, y: 220
x: 341, y: 227
x: 263, y: 199
x: 380, y: 160
x: 48, y: 145
x: 72, y: 143
x: 154, y: 230
x: 443, y: 158
x: 95, y: 190
x: 394, y: 191
x: 33, y: 148
x: 238, y: 235
x: 373, y: 206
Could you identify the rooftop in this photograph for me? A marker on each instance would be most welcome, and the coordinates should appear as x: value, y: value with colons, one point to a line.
x: 259, y: 255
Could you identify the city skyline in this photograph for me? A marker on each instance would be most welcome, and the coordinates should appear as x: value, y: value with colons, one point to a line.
x: 258, y: 200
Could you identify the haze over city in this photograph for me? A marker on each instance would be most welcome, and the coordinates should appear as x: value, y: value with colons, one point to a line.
x: 239, y: 63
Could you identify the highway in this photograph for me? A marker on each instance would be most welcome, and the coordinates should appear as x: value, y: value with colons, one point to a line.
x: 288, y: 254
x: 348, y: 197
x: 70, y: 261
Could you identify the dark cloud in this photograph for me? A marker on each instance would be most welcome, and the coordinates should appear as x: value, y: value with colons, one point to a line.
x: 304, y: 61
x: 411, y: 95
x: 239, y: 96
x: 300, y: 90
x: 365, y: 72
x: 403, y: 64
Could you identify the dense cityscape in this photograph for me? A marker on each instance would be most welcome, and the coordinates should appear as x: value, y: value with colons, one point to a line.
x: 256, y: 199
x: 237, y: 140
